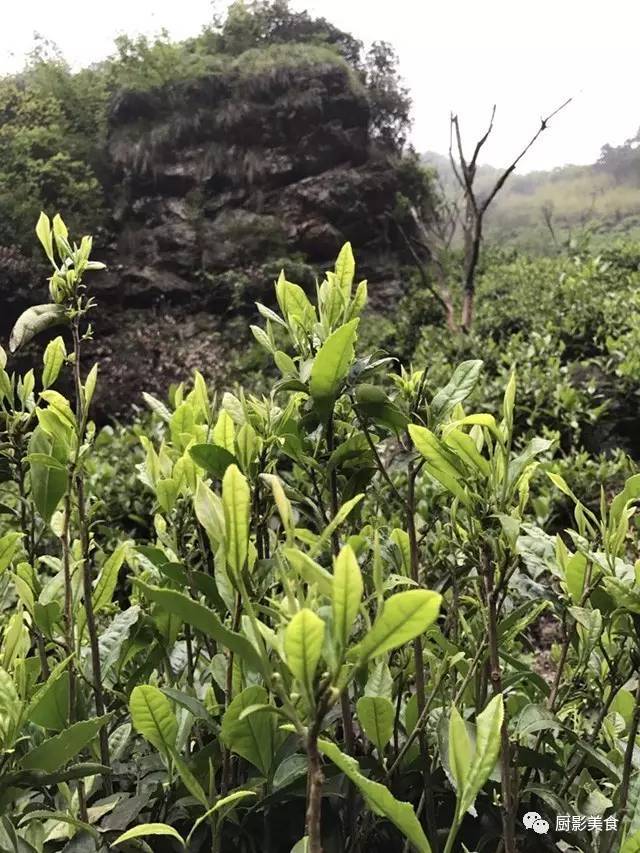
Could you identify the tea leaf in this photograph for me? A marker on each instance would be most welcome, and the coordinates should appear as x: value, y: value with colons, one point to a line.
x: 211, y: 458
x: 8, y: 547
x: 48, y: 484
x: 460, y: 749
x: 347, y: 594
x: 345, y: 270
x: 236, y: 502
x: 204, y: 619
x: 144, y: 829
x: 377, y: 716
x: 105, y: 587
x: 223, y: 804
x: 488, y: 727
x: 309, y: 570
x: 49, y: 707
x: 631, y: 844
x: 331, y: 365
x: 224, y: 432
x: 378, y: 798
x: 33, y: 321
x: 62, y: 817
x: 439, y: 463
x: 44, y: 234
x: 457, y: 389
x: 210, y: 513
x: 252, y: 737
x: 152, y: 716
x: 303, y: 641
x: 403, y: 617
x: 54, y: 356
x: 56, y: 751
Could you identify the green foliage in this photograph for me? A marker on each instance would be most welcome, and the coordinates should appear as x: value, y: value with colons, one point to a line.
x: 569, y: 325
x: 329, y: 598
x: 51, y: 129
x: 54, y: 122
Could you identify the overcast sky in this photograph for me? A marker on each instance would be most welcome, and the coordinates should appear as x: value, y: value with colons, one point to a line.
x: 526, y: 55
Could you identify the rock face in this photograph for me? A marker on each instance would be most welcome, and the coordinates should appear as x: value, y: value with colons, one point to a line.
x: 218, y: 179
x: 215, y: 185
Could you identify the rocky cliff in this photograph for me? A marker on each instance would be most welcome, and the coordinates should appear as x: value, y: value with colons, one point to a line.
x: 214, y: 185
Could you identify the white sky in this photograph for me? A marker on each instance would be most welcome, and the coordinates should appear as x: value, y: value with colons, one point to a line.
x: 526, y: 55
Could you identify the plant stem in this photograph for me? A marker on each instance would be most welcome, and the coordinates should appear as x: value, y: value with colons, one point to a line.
x: 68, y: 598
x: 628, y: 756
x: 87, y: 573
x: 417, y: 729
x: 508, y: 793
x: 313, y: 826
x: 27, y: 530
x: 228, y: 699
x: 453, y: 833
x: 345, y: 705
x: 418, y: 657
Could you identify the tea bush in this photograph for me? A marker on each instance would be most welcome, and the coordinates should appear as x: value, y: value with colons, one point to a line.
x: 323, y: 638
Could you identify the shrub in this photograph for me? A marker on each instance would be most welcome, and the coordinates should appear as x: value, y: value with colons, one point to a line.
x: 325, y: 641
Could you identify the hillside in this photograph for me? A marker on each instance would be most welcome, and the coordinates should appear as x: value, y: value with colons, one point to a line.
x: 541, y: 210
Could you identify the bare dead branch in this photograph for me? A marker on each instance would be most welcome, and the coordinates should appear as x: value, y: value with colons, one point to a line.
x: 453, y: 120
x: 501, y: 180
x: 484, y: 138
x: 443, y: 301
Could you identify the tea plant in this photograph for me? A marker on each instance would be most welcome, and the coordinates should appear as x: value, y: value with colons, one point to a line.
x: 325, y: 644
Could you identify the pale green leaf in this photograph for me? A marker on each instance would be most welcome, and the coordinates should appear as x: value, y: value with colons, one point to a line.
x: 303, y: 639
x: 144, y: 829
x: 404, y: 616
x: 347, y: 594
x: 345, y: 270
x: 460, y: 749
x: 8, y: 547
x: 378, y: 798
x: 309, y: 570
x: 376, y: 715
x: 153, y: 717
x: 224, y: 432
x: 33, y: 321
x: 439, y: 462
x: 44, y: 234
x: 53, y: 359
x: 488, y: 728
x: 236, y: 502
x: 332, y: 363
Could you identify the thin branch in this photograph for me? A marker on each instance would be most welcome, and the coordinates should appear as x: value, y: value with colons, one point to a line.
x: 544, y: 123
x: 484, y: 138
x: 421, y: 270
x: 452, y: 160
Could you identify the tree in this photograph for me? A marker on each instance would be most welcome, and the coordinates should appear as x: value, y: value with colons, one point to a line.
x: 476, y: 208
x: 265, y: 22
x: 430, y: 242
x: 388, y: 97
